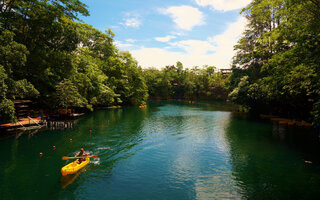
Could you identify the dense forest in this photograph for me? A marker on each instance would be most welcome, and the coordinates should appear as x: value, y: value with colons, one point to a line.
x: 48, y: 54
x: 277, y: 66
x: 174, y: 82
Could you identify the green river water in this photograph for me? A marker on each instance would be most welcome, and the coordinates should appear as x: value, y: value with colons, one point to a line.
x: 170, y: 150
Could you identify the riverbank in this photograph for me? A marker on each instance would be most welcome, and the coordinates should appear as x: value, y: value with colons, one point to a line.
x: 285, y: 121
x: 220, y: 104
x: 57, y: 120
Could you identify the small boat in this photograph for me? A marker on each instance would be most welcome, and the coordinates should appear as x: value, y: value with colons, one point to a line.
x: 73, y: 167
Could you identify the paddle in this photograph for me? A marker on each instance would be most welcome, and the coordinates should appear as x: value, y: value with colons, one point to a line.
x: 66, y: 157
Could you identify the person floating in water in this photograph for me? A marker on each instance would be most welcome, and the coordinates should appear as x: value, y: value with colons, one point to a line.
x: 81, y: 154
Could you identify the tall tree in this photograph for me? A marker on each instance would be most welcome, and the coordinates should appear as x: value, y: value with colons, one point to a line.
x: 278, y: 56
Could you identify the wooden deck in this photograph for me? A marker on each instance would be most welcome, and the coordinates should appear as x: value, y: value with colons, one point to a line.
x: 23, y: 122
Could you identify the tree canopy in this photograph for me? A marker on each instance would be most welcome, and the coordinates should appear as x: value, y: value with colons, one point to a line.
x: 276, y: 68
x: 195, y: 83
x: 46, y: 52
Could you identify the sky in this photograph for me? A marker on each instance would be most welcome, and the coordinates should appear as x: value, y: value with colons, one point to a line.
x: 161, y: 32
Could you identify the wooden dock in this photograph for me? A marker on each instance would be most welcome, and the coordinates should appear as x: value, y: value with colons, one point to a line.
x: 23, y: 122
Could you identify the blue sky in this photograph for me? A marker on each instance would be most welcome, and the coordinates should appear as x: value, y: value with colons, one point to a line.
x: 161, y: 32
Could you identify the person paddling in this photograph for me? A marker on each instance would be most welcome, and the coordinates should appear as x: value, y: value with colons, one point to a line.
x: 81, y: 154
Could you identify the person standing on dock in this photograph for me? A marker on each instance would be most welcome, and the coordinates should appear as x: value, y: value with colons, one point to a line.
x: 81, y: 154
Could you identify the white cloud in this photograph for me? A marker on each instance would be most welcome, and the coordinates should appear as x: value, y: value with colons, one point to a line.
x: 132, y: 22
x: 165, y: 39
x: 131, y: 19
x: 186, y: 17
x: 179, y: 34
x: 156, y: 57
x: 114, y: 27
x: 123, y: 46
x: 131, y: 40
x: 224, y: 5
x: 159, y: 58
x: 194, y: 47
x: 217, y: 50
x: 225, y: 41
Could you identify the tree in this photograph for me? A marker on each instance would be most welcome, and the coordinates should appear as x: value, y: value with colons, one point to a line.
x: 178, y: 83
x: 278, y: 55
x: 7, y: 112
x: 68, y: 95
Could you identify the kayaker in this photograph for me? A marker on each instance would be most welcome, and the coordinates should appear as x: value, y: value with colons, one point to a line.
x: 81, y: 154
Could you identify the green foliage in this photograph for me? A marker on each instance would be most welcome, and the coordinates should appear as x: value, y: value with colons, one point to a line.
x: 44, y: 49
x: 68, y: 95
x: 90, y: 80
x: 138, y: 90
x: 316, y: 113
x: 12, y: 54
x: 179, y: 83
x: 24, y: 90
x: 7, y: 111
x: 3, y: 86
x: 276, y: 69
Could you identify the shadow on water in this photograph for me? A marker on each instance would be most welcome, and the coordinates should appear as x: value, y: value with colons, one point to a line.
x: 70, y: 178
x: 273, y: 162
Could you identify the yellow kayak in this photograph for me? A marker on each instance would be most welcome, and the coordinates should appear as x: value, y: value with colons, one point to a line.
x: 73, y: 167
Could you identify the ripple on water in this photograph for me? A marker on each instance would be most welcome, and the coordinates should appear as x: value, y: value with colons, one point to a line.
x: 164, y: 152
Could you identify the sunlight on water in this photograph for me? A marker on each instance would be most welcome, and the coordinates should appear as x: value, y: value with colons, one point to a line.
x: 167, y: 151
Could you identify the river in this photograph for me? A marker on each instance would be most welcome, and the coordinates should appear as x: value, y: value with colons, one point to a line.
x: 170, y: 150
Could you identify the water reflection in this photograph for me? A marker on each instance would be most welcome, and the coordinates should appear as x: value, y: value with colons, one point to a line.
x: 114, y: 134
x: 198, y: 165
x: 166, y: 151
x: 216, y: 182
x: 266, y: 163
x: 70, y: 178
